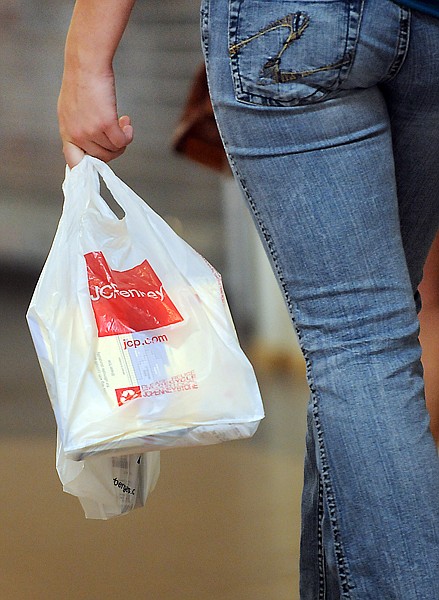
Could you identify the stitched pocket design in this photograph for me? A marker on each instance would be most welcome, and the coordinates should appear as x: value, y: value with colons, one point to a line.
x: 289, y: 52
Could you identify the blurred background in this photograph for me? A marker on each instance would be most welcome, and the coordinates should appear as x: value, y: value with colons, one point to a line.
x: 223, y: 522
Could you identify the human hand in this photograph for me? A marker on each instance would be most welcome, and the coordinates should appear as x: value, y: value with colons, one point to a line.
x: 88, y: 119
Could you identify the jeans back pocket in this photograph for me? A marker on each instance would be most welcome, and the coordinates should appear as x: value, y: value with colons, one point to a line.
x: 290, y: 52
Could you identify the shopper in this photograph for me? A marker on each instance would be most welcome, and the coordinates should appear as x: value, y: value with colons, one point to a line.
x: 329, y: 112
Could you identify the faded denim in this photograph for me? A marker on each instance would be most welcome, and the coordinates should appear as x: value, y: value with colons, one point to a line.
x: 329, y: 112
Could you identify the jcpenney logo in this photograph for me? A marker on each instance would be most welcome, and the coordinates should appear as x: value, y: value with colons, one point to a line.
x: 111, y: 292
x: 127, y: 301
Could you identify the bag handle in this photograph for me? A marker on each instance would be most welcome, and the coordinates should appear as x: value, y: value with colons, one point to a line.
x: 136, y: 210
x: 121, y: 192
x: 87, y: 173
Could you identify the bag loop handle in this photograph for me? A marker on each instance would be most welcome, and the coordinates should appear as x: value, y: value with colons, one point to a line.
x: 89, y: 168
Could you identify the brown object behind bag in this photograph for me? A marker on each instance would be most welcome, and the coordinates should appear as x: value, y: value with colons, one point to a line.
x: 196, y: 135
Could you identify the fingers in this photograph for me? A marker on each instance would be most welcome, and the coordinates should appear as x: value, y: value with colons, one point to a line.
x: 106, y: 144
x: 115, y: 136
x: 125, y: 125
x: 112, y: 137
x: 123, y: 121
x: 73, y: 154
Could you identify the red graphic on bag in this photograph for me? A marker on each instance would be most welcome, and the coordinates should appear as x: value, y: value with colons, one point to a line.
x: 124, y: 395
x: 128, y: 301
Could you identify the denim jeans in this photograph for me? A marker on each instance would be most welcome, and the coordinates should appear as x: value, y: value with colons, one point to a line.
x: 329, y: 113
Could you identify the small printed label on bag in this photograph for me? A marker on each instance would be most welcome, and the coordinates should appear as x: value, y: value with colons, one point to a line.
x: 184, y: 382
x: 128, y: 301
x: 129, y: 367
x: 178, y: 383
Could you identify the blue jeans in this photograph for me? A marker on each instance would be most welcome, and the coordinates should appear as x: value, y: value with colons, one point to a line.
x: 329, y: 113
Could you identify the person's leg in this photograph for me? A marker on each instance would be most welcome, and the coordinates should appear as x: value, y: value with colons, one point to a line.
x: 318, y: 173
x: 413, y: 102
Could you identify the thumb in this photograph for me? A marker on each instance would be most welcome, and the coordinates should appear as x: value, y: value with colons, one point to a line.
x: 73, y: 154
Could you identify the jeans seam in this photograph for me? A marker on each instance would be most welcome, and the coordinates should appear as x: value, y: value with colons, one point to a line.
x: 204, y: 23
x: 402, y: 46
x: 320, y: 548
x: 356, y: 10
x: 270, y: 246
x: 341, y: 560
x: 346, y: 584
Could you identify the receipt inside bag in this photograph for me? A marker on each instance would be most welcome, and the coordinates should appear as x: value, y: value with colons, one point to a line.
x: 133, y: 332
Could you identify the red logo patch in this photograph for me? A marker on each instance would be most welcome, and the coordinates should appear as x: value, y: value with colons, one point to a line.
x: 124, y: 395
x: 128, y: 301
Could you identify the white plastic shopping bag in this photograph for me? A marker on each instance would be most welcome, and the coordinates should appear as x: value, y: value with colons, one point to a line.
x: 108, y: 486
x: 133, y: 333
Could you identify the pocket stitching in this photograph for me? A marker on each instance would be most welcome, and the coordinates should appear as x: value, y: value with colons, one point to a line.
x: 272, y: 66
x: 271, y: 69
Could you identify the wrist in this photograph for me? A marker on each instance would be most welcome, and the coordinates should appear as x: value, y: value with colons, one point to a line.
x: 87, y: 57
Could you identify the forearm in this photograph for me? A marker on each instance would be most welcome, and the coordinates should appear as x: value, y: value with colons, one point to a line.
x: 95, y: 31
x: 87, y: 107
